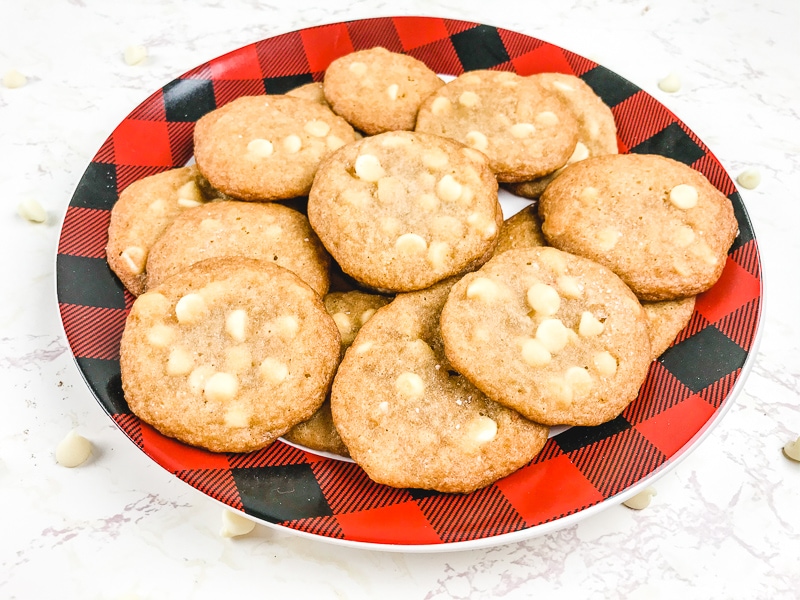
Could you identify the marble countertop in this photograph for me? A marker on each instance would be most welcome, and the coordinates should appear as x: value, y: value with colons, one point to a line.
x: 725, y: 522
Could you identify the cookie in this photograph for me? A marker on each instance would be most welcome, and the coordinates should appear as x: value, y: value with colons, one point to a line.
x: 521, y: 230
x: 144, y: 210
x: 267, y: 147
x: 350, y: 311
x: 524, y: 129
x: 409, y: 419
x: 667, y: 319
x: 228, y: 355
x: 262, y: 230
x: 401, y: 210
x: 597, y: 129
x: 310, y: 91
x: 657, y: 223
x: 557, y: 337
x: 377, y: 90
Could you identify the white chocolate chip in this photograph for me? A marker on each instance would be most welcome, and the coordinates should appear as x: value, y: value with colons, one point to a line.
x: 31, y: 210
x: 428, y: 202
x: 684, y: 236
x: 641, y: 500
x: 749, y: 179
x: 589, y: 195
x: 221, y: 387
x: 534, y: 353
x: 560, y: 391
x: 482, y: 225
x: 410, y: 244
x: 554, y: 260
x: 160, y: 336
x: 390, y: 190
x: 368, y: 168
x: 607, y: 238
x: 547, y: 119
x: 363, y: 348
x: 561, y: 86
x: 390, y: 226
x: 153, y: 303
x: 481, y: 430
x: 682, y: 266
x: 476, y: 139
x: 468, y: 99
x: 448, y: 189
x: 435, y: 158
x: 579, y: 380
x: 13, y: 79
x: 292, y: 143
x: 792, y: 450
x: 366, y: 315
x: 236, y: 324
x: 358, y: 68
x: 134, y: 55
x: 343, y: 323
x: 273, y: 371
x: 287, y: 327
x: 670, y: 84
x: 73, y: 450
x: 409, y: 385
x: 234, y: 524
x: 359, y: 199
x: 580, y: 153
x: 474, y: 156
x: 237, y: 416
x: 198, y: 377
x: 544, y: 299
x: 260, y: 148
x: 483, y: 289
x: 383, y: 407
x: 396, y: 141
x: 683, y: 196
x: 522, y: 130
x: 438, y: 253
x: 552, y: 334
x: 317, y: 128
x: 569, y: 287
x: 158, y: 207
x: 334, y: 142
x: 189, y: 195
x: 605, y: 363
x: 190, y: 309
x: 392, y: 91
x: 180, y: 362
x: 441, y: 106
x: 590, y: 326
x: 135, y: 258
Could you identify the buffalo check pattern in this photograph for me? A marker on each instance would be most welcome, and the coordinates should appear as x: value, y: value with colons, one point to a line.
x: 685, y: 390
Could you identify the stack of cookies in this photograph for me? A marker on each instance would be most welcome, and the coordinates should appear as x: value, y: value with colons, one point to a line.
x: 395, y: 318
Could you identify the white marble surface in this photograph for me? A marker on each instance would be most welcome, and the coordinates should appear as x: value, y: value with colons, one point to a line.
x: 726, y: 520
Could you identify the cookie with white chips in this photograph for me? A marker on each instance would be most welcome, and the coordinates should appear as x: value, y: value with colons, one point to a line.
x: 228, y: 355
x: 557, y: 337
x: 666, y: 320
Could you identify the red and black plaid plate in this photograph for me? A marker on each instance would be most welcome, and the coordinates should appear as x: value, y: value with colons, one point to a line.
x: 579, y: 471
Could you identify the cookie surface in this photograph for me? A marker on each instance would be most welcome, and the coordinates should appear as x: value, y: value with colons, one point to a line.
x: 524, y: 129
x: 267, y: 147
x: 310, y: 91
x: 402, y: 210
x: 228, y: 355
x: 555, y: 336
x: 411, y: 421
x: 667, y: 319
x: 657, y: 223
x: 143, y: 212
x: 261, y: 230
x: 521, y: 230
x: 377, y: 90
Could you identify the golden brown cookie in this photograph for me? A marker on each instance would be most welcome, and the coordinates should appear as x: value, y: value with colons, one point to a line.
x: 667, y: 319
x: 555, y: 336
x: 523, y: 128
x: 377, y: 90
x: 402, y: 210
x: 262, y: 230
x: 657, y: 223
x: 228, y: 354
x: 310, y: 91
x: 267, y: 147
x: 409, y: 419
x: 521, y: 230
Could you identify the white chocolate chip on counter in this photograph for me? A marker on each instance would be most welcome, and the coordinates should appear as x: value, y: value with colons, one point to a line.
x: 221, y: 387
x: 605, y: 363
x: 670, y: 84
x: 468, y: 99
x: 13, y: 79
x: 543, y: 299
x: 411, y: 244
x: 31, y: 210
x: 552, y: 334
x: 368, y: 168
x: 235, y: 525
x: 358, y: 68
x: 73, y: 450
x: 547, y: 119
x: 317, y: 128
x: 134, y: 55
x: 641, y: 500
x: 190, y: 309
x: 749, y: 179
x: 409, y: 385
x: 792, y: 450
x: 292, y: 143
x: 683, y: 196
x: 483, y: 289
x: 273, y: 371
x: 260, y: 148
x: 522, y: 130
x: 135, y: 258
x: 590, y: 326
x: 180, y: 362
x: 236, y: 324
x: 534, y: 353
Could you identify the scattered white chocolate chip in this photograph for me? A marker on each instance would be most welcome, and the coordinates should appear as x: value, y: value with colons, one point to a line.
x: 410, y: 244
x: 553, y: 259
x: 448, y: 189
x: 73, y: 450
x: 392, y: 91
x: 534, y: 353
x: 590, y: 326
x: 234, y: 524
x: 605, y: 363
x: 343, y: 323
x: 358, y: 68
x: 260, y: 148
x: 317, y: 128
x: 409, y: 385
x: 543, y: 299
x: 273, y: 371
x: 180, y: 362
x: 483, y: 289
x: 135, y: 258
x: 368, y: 168
x: 589, y: 194
x: 236, y: 324
x: 31, y: 210
x: 522, y: 130
x: 477, y: 140
x: 580, y: 153
x: 683, y: 196
x: 670, y: 84
x: 190, y: 309
x: 160, y: 336
x: 292, y: 143
x: 792, y: 450
x: 641, y: 500
x: 749, y: 179
x: 546, y: 119
x: 552, y: 334
x: 13, y: 79
x: 134, y: 55
x: 441, y: 106
x: 468, y: 99
x: 221, y: 387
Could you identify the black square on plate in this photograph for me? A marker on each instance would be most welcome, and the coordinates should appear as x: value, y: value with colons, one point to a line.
x: 188, y: 99
x: 282, y: 493
x: 575, y: 438
x: 281, y: 85
x: 479, y: 48
x: 97, y: 188
x: 88, y: 282
x: 104, y: 379
x: 611, y: 88
x: 672, y: 142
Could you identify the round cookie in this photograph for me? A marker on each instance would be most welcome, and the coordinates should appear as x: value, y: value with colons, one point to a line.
x: 409, y: 419
x: 310, y: 91
x: 377, y: 90
x: 402, y: 210
x: 555, y: 336
x: 261, y: 230
x: 667, y: 319
x: 523, y: 128
x: 657, y: 223
x: 228, y: 355
x: 144, y: 210
x: 267, y: 147
x: 597, y: 129
x: 521, y: 230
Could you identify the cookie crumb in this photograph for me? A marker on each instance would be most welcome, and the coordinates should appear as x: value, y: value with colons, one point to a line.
x: 32, y: 211
x: 749, y: 179
x: 670, y: 84
x: 135, y: 55
x: 792, y: 450
x: 14, y: 79
x: 73, y: 450
x: 234, y: 524
x: 641, y: 500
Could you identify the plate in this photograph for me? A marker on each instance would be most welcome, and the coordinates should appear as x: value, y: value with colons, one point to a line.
x: 580, y: 471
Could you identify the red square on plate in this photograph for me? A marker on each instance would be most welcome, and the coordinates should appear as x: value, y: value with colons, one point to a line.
x: 325, y: 44
x: 396, y: 524
x: 142, y: 143
x: 415, y: 32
